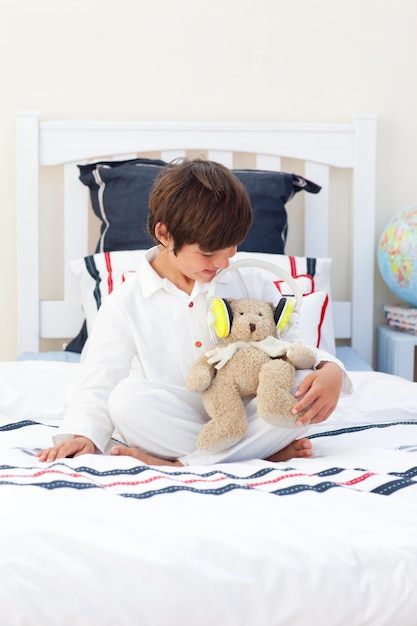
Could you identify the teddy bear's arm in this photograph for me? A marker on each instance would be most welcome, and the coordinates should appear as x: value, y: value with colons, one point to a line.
x: 300, y: 356
x: 201, y: 375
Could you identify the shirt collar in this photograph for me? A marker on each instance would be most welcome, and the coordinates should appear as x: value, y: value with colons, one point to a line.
x: 151, y: 282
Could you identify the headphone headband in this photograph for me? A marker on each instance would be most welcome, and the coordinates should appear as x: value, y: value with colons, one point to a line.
x: 271, y: 267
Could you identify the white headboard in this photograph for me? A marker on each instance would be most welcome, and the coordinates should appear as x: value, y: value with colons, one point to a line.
x: 320, y: 146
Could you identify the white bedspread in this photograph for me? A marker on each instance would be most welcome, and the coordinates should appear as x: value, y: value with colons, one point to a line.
x: 100, y: 540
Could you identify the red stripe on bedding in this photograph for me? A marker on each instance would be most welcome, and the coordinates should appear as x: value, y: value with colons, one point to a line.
x: 359, y: 479
x: 322, y: 316
x: 40, y: 473
x: 210, y: 480
x: 294, y: 274
x: 109, y: 272
x: 189, y: 481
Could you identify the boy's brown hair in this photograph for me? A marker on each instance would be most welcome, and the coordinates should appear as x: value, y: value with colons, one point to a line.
x: 200, y: 202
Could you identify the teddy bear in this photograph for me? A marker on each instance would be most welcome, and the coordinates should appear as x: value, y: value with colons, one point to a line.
x: 250, y: 361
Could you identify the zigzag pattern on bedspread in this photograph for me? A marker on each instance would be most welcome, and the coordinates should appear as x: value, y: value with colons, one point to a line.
x: 143, y: 482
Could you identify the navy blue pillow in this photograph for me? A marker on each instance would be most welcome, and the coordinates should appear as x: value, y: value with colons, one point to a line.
x: 120, y: 190
x: 269, y: 192
x: 77, y: 344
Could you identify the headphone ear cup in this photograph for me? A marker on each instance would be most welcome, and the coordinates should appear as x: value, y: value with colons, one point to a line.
x: 283, y: 313
x: 221, y: 316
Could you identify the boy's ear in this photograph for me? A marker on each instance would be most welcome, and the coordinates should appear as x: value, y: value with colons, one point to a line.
x: 161, y: 233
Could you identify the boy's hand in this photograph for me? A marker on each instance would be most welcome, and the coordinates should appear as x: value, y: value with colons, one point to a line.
x: 73, y: 447
x: 319, y: 393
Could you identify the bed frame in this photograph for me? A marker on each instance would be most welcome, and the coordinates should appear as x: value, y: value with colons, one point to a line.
x: 321, y: 147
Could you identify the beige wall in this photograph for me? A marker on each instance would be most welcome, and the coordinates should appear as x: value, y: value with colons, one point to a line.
x: 238, y: 60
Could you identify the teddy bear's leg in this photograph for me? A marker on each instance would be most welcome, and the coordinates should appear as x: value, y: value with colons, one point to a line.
x: 274, y: 398
x: 228, y: 423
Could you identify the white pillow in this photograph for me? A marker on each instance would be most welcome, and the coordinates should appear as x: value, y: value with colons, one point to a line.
x: 312, y: 274
x: 314, y: 321
x: 100, y: 273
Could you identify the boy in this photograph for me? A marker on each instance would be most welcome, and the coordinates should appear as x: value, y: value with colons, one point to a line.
x: 199, y: 213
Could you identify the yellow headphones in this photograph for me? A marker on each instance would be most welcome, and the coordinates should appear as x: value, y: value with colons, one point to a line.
x: 220, y: 315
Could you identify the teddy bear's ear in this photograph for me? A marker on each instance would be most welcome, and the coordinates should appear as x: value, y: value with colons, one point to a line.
x: 220, y: 316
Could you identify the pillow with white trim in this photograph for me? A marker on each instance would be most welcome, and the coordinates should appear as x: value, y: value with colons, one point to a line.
x: 99, y: 274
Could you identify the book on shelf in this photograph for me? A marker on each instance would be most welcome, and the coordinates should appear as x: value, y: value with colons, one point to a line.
x: 401, y: 317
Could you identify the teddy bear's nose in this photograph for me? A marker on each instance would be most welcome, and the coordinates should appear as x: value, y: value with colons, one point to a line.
x: 252, y: 327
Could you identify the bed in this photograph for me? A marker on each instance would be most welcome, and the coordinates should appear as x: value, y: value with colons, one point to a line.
x: 107, y: 540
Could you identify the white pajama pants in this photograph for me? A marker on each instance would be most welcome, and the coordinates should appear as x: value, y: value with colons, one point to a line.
x: 165, y: 421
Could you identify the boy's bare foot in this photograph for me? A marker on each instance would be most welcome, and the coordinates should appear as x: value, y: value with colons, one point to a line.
x: 300, y: 448
x: 136, y: 453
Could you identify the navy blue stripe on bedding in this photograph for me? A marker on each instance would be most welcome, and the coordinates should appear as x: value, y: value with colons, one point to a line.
x: 17, y: 425
x: 311, y: 266
x: 355, y: 429
x: 95, y: 275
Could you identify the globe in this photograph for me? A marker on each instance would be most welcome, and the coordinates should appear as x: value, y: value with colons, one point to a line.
x: 397, y: 255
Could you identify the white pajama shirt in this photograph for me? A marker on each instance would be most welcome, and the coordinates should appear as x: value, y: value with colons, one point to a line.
x: 146, y: 337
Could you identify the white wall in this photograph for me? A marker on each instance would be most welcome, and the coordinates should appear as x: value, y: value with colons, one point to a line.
x: 251, y: 60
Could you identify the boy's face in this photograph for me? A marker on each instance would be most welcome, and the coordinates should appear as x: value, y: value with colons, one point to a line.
x: 195, y: 264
